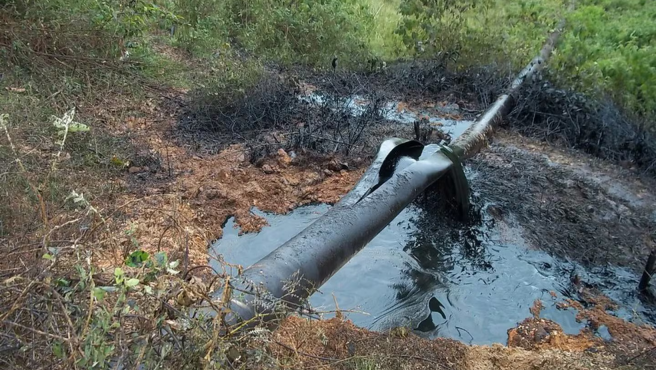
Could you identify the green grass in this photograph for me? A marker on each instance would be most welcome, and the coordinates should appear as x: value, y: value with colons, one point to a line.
x: 382, y: 40
x: 608, y: 47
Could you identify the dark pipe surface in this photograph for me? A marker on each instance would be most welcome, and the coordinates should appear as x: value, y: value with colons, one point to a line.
x: 477, y: 135
x: 320, y: 250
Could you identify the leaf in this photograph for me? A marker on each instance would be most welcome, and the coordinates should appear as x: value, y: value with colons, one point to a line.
x: 118, y: 275
x: 132, y: 282
x: 137, y: 258
x: 58, y: 350
x: 48, y: 257
x: 161, y: 259
x: 78, y: 127
x: 61, y: 282
x: 66, y: 123
x: 77, y: 198
x: 148, y: 289
x: 109, y: 289
x: 119, y: 162
x: 99, y: 294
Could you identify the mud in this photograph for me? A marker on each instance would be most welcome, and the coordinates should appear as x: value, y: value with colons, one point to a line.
x: 186, y: 182
x: 563, y: 205
x: 337, y: 344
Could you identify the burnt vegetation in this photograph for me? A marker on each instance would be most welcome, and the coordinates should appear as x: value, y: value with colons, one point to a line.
x: 573, y: 120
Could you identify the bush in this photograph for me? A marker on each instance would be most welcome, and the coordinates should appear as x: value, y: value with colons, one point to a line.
x: 289, y: 31
x: 608, y: 47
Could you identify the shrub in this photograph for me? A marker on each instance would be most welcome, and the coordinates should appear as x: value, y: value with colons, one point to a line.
x: 607, y: 49
x: 289, y: 31
x: 610, y: 49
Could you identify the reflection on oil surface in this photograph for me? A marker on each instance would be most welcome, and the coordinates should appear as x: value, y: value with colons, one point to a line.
x: 470, y: 282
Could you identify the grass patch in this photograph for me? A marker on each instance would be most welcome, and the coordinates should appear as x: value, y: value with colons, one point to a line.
x: 382, y: 40
x: 607, y: 48
x: 610, y: 49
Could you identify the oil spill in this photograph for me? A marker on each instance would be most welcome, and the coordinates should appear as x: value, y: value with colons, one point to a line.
x: 437, y: 116
x: 470, y: 282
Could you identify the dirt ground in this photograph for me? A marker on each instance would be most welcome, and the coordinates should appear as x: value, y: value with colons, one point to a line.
x: 569, y: 204
x: 528, y: 179
x: 174, y: 192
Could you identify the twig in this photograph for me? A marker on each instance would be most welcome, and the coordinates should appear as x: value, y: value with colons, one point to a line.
x: 186, y: 274
x: 159, y: 242
x: 186, y: 255
x: 18, y: 300
x: 36, y: 191
x: 36, y: 331
x: 639, y: 355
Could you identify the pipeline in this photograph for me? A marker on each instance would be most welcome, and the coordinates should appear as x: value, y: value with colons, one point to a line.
x: 286, y: 277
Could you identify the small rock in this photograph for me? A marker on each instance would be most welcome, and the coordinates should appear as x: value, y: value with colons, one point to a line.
x: 623, y: 210
x: 334, y: 166
x: 223, y: 174
x: 267, y: 169
x: 283, y: 158
x: 253, y: 188
x: 134, y: 169
x: 327, y: 172
x: 495, y: 212
x: 540, y: 334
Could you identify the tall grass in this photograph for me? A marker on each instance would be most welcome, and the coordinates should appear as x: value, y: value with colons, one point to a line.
x: 382, y: 40
x: 608, y: 47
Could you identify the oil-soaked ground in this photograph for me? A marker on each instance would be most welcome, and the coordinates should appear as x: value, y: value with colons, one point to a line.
x: 473, y: 281
x: 544, y: 223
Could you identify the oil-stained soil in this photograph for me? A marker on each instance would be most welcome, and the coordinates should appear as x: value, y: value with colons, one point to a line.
x: 179, y: 190
x: 569, y: 204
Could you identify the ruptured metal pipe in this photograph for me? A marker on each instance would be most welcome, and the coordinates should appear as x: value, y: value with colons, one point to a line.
x: 291, y: 273
x: 286, y: 277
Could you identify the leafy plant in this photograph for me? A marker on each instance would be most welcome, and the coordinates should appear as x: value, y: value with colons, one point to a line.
x: 433, y: 26
x: 137, y: 258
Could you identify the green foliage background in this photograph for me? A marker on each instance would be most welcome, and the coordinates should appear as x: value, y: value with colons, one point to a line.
x: 607, y: 49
